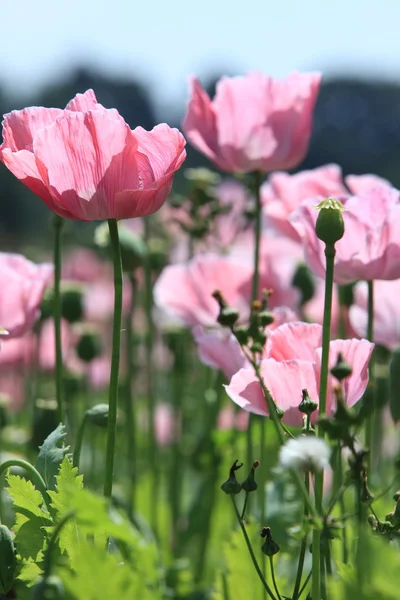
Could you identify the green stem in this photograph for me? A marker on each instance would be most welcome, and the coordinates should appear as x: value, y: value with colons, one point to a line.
x: 34, y: 474
x: 79, y: 441
x: 130, y: 412
x: 271, y: 562
x: 58, y: 225
x: 47, y: 563
x: 303, y: 547
x: 250, y: 549
x: 370, y: 336
x: 153, y: 453
x: 114, y: 373
x: 303, y: 587
x: 323, y: 388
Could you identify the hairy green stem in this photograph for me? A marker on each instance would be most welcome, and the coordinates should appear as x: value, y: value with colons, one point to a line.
x: 323, y: 388
x: 271, y: 562
x: 303, y: 547
x: 251, y: 552
x: 58, y: 225
x: 153, y: 452
x: 370, y: 336
x: 79, y: 441
x: 130, y: 412
x: 114, y: 373
x: 34, y: 474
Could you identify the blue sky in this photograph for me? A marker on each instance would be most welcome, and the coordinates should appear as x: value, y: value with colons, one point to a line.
x: 164, y: 41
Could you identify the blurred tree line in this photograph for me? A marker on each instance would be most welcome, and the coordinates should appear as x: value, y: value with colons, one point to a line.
x: 356, y: 124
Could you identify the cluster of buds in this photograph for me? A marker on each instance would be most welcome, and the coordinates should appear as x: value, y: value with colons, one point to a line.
x: 252, y: 335
x: 232, y: 486
x: 390, y: 528
x: 200, y: 206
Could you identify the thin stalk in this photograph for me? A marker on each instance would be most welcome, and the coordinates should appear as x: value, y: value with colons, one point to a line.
x: 256, y: 188
x: 130, y: 412
x: 114, y: 373
x: 34, y: 474
x: 303, y: 547
x: 252, y: 555
x: 303, y: 587
x: 246, y: 499
x: 58, y: 225
x: 323, y: 388
x: 271, y: 562
x: 370, y: 336
x: 47, y: 563
x: 79, y: 441
x: 153, y: 453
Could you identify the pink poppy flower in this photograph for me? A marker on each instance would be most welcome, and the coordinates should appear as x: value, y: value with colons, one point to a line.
x: 86, y: 163
x: 219, y: 349
x: 185, y: 291
x: 84, y: 265
x: 283, y: 193
x: 370, y: 247
x: 292, y: 363
x: 228, y: 418
x: 24, y: 284
x: 386, y: 312
x: 254, y: 123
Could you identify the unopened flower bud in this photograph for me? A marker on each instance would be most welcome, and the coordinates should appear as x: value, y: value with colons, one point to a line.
x: 396, y: 496
x: 303, y: 281
x: 250, y: 484
x: 266, y: 318
x: 231, y: 486
x: 242, y: 335
x: 307, y: 406
x: 89, y: 346
x: 202, y: 177
x: 98, y: 415
x: 47, y: 305
x: 228, y: 316
x: 341, y: 369
x: 269, y: 547
x: 330, y: 225
x: 8, y: 561
x: 72, y: 303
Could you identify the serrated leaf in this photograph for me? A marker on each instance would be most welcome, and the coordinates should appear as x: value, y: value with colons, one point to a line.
x: 25, y: 496
x: 30, y: 536
x: 68, y: 483
x: 29, y: 572
x: 51, y: 455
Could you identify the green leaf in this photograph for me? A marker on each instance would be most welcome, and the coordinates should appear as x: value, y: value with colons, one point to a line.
x: 68, y: 482
x: 29, y: 571
x: 25, y: 496
x: 51, y: 455
x: 30, y: 537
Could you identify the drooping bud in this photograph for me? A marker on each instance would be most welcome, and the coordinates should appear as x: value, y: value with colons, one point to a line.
x: 303, y: 281
x: 341, y: 369
x: 330, y: 225
x: 8, y: 561
x: 250, y: 484
x: 307, y: 406
x: 242, y: 335
x: 228, y: 315
x: 231, y: 486
x: 98, y: 415
x: 269, y: 547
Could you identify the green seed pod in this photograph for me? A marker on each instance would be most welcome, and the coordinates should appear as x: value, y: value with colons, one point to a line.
x: 307, y: 406
x: 228, y: 316
x: 330, y: 225
x: 269, y: 547
x: 242, y: 335
x: 250, y: 484
x: 394, y: 385
x: 8, y: 562
x: 341, y: 369
x: 231, y: 486
x: 72, y: 303
x: 89, y: 346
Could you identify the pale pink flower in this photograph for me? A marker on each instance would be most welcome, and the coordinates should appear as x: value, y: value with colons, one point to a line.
x: 370, y: 247
x: 23, y: 286
x: 292, y: 363
x: 86, y: 163
x: 283, y: 193
x: 386, y: 312
x: 185, y: 291
x: 164, y: 424
x: 219, y: 349
x: 254, y: 123
x: 229, y: 418
x: 84, y: 265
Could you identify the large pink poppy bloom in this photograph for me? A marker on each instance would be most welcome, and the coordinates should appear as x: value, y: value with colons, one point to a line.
x: 370, y: 247
x: 254, y: 123
x: 292, y: 363
x: 86, y: 163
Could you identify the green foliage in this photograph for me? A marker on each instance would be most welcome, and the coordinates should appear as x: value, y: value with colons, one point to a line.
x: 51, y: 455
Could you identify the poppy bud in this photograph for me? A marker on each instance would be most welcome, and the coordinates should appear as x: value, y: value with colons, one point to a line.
x: 341, y: 369
x: 231, y: 486
x: 89, y: 345
x: 8, y: 562
x: 269, y: 547
x: 250, y: 484
x: 98, y: 415
x: 330, y: 225
x: 307, y: 406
